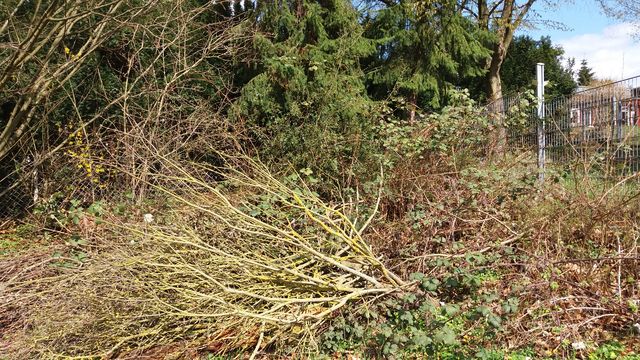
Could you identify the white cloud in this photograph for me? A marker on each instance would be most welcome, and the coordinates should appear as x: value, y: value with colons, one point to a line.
x: 612, y: 53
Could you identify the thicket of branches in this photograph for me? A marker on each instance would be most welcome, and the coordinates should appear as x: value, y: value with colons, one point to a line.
x: 84, y: 82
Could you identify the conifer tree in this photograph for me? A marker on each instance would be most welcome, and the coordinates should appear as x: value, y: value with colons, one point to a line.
x: 306, y: 100
x: 519, y: 68
x: 424, y: 48
x: 585, y: 74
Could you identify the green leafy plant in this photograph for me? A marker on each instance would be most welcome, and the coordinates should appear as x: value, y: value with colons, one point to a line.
x: 414, y: 324
x: 458, y: 127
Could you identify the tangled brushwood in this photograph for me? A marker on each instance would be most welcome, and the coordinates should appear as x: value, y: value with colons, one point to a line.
x: 237, y: 265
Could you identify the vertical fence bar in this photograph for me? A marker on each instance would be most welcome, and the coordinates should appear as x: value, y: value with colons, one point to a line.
x: 597, y: 127
x: 541, y: 127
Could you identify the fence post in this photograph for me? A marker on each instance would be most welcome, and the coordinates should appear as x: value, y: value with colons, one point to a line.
x: 541, y: 127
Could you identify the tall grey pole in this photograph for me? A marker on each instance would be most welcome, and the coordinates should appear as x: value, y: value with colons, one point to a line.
x: 541, y: 128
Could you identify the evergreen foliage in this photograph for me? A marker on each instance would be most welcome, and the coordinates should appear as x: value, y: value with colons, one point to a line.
x: 307, y: 102
x: 423, y: 49
x: 179, y: 160
x: 519, y: 68
x: 585, y: 74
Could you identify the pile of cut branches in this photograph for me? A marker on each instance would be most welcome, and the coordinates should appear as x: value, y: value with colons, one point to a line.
x: 235, y: 265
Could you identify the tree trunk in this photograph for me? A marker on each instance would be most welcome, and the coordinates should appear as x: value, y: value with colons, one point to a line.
x: 413, y: 104
x: 299, y: 9
x: 494, y: 93
x: 509, y: 17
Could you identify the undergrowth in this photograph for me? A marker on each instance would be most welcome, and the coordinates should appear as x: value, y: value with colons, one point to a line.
x: 550, y: 269
x: 494, y: 265
x: 243, y: 265
x: 450, y: 254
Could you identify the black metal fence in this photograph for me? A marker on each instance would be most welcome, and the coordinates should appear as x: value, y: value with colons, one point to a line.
x: 599, y: 126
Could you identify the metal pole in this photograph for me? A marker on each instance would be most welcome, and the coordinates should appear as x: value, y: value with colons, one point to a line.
x: 541, y: 127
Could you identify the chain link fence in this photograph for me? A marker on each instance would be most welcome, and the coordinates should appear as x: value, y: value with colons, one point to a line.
x: 24, y: 189
x: 39, y: 178
x: 55, y: 181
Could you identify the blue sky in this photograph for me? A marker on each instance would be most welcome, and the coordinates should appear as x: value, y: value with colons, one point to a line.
x: 605, y: 43
x: 582, y: 16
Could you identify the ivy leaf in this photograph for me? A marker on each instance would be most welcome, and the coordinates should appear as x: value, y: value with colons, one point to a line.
x: 450, y: 309
x: 430, y: 284
x: 421, y: 340
x: 407, y: 317
x: 510, y: 306
x: 445, y: 336
x: 386, y: 332
x: 494, y: 320
x: 390, y: 348
x: 416, y: 276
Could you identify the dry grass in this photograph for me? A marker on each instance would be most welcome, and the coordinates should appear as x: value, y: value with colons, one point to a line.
x: 568, y: 250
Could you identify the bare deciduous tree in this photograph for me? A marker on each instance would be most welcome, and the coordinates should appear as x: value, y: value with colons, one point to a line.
x: 37, y: 56
x: 153, y: 73
x: 624, y: 10
x: 501, y: 18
